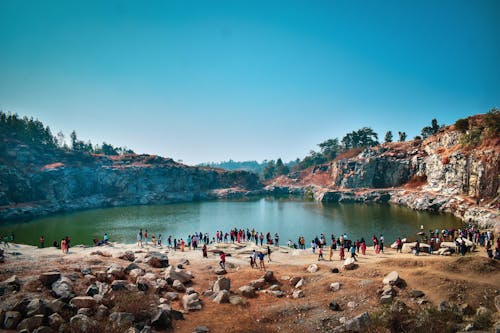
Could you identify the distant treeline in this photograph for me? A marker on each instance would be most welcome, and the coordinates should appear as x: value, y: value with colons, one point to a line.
x: 34, y: 133
x: 265, y: 169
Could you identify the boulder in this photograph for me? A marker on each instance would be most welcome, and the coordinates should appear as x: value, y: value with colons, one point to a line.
x: 334, y: 306
x: 417, y: 293
x: 392, y: 278
x: 191, y: 302
x: 30, y: 323
x: 12, y: 283
x: 63, y: 288
x: 82, y: 323
x: 201, y: 329
x: 127, y: 255
x: 83, y: 302
x: 276, y: 293
x: 89, y: 312
x: 85, y: 271
x: 36, y: 306
x: 156, y: 260
x: 102, y: 312
x: 135, y: 273
x: 92, y: 290
x: 131, y: 267
x: 143, y: 284
x: 313, y: 268
x: 116, y: 271
x: 118, y: 285
x: 335, y: 286
x: 172, y: 274
x: 349, y: 263
x: 222, y: 283
x: 220, y: 271
x: 300, y: 283
x: 122, y: 319
x: 257, y: 284
x: 11, y: 319
x: 222, y: 297
x: 269, y: 277
x: 237, y: 300
x: 55, y: 320
x: 61, y: 307
x: 298, y: 294
x: 293, y: 280
x: 183, y: 262
x: 101, y: 276
x: 161, y: 320
x: 247, y: 291
x: 358, y: 323
x: 44, y: 329
x: 386, y: 299
x: 89, y: 278
x: 172, y: 295
x: 274, y: 287
x: 48, y: 278
x: 177, y: 285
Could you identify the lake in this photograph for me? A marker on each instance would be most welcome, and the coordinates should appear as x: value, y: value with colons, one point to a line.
x: 289, y: 218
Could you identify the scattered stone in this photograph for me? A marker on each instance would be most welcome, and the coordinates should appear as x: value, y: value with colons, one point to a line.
x: 349, y: 264
x: 156, y: 260
x: 191, y: 302
x: 388, y: 290
x: 298, y: 294
x: 161, y: 320
x: 269, y: 277
x: 294, y: 280
x: 44, y: 329
x: 135, y: 273
x: 222, y: 297
x: 118, y: 285
x: 89, y: 278
x: 30, y: 323
x: 102, y: 311
x: 12, y: 283
x: 172, y: 274
x: 177, y: 285
x: 48, y: 278
x: 85, y: 271
x: 92, y: 290
x: 237, y: 300
x: 386, y: 299
x: 131, y: 267
x: 83, y: 323
x: 247, y: 291
x: 417, y: 293
x: 220, y: 271
x: 11, y: 319
x: 444, y: 306
x: 143, y: 284
x: 300, y: 284
x: 277, y: 293
x: 274, y: 287
x: 257, y: 284
x: 334, y: 306
x: 122, y: 319
x: 183, y: 262
x: 201, y: 329
x: 83, y: 302
x: 351, y: 304
x: 86, y: 311
x: 63, y: 288
x: 335, y: 286
x: 55, y: 320
x: 116, y: 271
x: 313, y: 268
x: 497, y: 302
x: 128, y: 255
x: 190, y: 291
x: 172, y: 295
x: 392, y: 278
x: 335, y: 270
x: 36, y: 306
x: 222, y: 283
x: 101, y: 253
x: 358, y: 323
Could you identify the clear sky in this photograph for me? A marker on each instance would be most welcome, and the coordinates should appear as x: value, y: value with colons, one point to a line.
x: 209, y: 80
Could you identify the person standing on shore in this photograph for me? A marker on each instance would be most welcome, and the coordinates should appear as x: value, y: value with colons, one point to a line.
x: 341, y: 253
x: 363, y: 246
x: 320, y: 253
x: 261, y: 261
x: 381, y: 242
x: 63, y: 246
x: 268, y: 254
x: 42, y: 242
x: 139, y: 238
x: 222, y: 262
x: 331, y: 252
x: 146, y: 237
x: 276, y: 239
x: 399, y: 245
x: 204, y: 250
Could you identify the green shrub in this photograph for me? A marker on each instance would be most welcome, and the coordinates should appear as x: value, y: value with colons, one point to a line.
x: 462, y: 125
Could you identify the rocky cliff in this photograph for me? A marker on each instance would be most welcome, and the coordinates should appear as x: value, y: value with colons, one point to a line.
x: 36, y: 182
x: 436, y: 174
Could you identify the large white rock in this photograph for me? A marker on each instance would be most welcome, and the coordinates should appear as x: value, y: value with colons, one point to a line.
x: 349, y: 263
x: 391, y: 279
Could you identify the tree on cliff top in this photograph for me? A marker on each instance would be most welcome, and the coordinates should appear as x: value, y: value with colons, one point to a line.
x: 27, y: 130
x: 330, y: 148
x: 431, y: 130
x: 388, y: 136
x: 402, y: 136
x: 364, y: 137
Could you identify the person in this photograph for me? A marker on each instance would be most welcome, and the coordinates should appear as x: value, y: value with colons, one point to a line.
x: 341, y: 253
x: 363, y: 247
x: 399, y: 245
x: 381, y: 243
x: 68, y: 240
x: 222, y: 261
x: 313, y: 246
x: 261, y: 261
x: 320, y: 253
x: 183, y: 244
x: 331, y: 252
x: 276, y: 239
x: 254, y: 258
x: 261, y: 238
x: 353, y: 252
x: 106, y: 238
x: 63, y: 245
x: 153, y: 240
x: 42, y: 242
x: 489, y: 250
x: 268, y: 254
x: 417, y: 248
x: 55, y: 244
x: 146, y: 237
x: 204, y: 250
x: 139, y: 238
x: 159, y: 240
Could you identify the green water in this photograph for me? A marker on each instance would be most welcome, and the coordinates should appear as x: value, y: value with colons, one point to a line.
x: 289, y: 218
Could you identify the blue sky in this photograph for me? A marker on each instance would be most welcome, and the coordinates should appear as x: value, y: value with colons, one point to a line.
x: 210, y: 80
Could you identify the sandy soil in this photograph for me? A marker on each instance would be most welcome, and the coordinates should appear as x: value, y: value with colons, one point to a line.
x: 473, y: 279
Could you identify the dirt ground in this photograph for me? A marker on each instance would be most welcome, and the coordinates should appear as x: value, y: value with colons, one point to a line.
x: 473, y: 279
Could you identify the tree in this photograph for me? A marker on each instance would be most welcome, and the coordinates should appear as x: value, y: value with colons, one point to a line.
x: 402, y: 136
x: 280, y: 168
x: 330, y: 148
x: 74, y: 140
x: 364, y: 137
x: 269, y: 170
x: 388, y: 136
x: 492, y: 121
x: 430, y: 130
